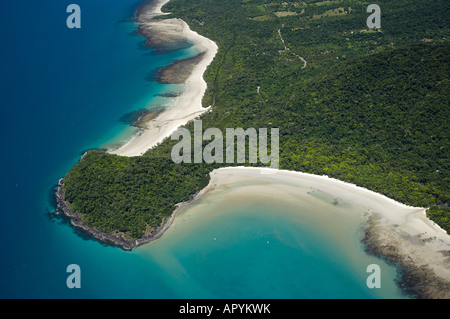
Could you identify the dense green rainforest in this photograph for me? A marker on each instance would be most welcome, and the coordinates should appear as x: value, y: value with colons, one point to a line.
x: 370, y: 107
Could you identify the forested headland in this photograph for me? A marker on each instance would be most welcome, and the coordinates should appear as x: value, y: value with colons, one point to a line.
x: 370, y: 107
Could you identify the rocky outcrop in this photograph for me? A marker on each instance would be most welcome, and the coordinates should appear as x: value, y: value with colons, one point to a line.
x: 178, y: 72
x: 416, y: 281
x: 117, y: 239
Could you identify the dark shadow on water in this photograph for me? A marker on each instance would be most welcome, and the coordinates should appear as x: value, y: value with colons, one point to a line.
x: 60, y: 220
x: 166, y: 48
x: 51, y: 197
x: 132, y: 118
x: 169, y: 94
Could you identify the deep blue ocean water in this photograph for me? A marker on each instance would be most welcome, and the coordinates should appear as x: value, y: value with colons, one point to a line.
x: 63, y: 91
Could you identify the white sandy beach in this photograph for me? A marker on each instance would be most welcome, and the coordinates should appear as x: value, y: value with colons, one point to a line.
x: 188, y: 105
x: 404, y: 226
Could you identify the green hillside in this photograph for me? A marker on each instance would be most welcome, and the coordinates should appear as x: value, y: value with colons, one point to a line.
x: 369, y: 107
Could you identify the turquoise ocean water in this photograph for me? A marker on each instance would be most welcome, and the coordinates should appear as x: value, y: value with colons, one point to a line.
x: 65, y: 91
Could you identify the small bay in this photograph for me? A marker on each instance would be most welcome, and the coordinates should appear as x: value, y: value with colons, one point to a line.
x: 65, y: 91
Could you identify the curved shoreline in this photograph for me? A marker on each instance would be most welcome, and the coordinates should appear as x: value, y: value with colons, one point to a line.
x: 401, y: 235
x: 398, y: 233
x: 117, y: 240
x: 188, y: 105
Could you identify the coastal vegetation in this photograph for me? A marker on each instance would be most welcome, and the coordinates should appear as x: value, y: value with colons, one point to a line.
x: 127, y: 195
x: 371, y: 107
